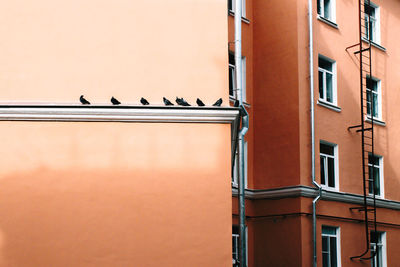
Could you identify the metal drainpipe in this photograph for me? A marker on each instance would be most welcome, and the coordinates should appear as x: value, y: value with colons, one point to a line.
x: 312, y: 123
x: 242, y: 132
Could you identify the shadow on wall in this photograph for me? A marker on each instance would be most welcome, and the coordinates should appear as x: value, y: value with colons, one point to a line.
x: 109, y: 218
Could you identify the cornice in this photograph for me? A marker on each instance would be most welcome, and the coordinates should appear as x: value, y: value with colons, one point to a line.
x: 311, y: 192
x: 123, y: 113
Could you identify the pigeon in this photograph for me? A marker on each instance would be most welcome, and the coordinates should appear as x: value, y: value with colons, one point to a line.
x: 167, y: 102
x: 144, y: 101
x: 114, y: 101
x: 218, y: 103
x: 182, y: 102
x: 199, y: 102
x: 84, y: 101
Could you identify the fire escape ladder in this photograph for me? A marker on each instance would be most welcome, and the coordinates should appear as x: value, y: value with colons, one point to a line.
x: 367, y: 130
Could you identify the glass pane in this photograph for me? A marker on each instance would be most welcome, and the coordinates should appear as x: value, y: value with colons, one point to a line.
x: 333, y: 251
x: 368, y: 102
x: 377, y: 182
x: 231, y: 80
x: 329, y: 93
x: 324, y: 64
x: 331, y: 172
x: 319, y: 7
x: 325, y: 244
x: 326, y: 149
x: 375, y: 104
x: 371, y: 30
x: 366, y: 24
x: 323, y: 169
x: 373, y: 160
x: 321, y: 84
x: 327, y: 9
x: 328, y: 230
x: 325, y: 259
x: 370, y: 183
x: 231, y: 59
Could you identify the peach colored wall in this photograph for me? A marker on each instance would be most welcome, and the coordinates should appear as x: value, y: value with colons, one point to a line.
x: 57, y: 50
x: 97, y: 194
x: 109, y: 194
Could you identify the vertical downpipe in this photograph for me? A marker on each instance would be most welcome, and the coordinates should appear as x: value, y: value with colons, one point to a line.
x: 242, y: 132
x: 312, y: 124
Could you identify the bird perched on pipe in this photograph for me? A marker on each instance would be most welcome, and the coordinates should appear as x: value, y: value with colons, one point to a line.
x: 182, y: 102
x: 218, y: 103
x: 115, y: 101
x: 200, y: 103
x: 167, y: 102
x: 83, y: 100
x: 144, y: 101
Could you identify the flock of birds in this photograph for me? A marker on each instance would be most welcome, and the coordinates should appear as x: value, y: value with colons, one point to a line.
x: 179, y: 101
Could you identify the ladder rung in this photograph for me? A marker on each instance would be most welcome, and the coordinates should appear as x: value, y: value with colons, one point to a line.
x: 365, y: 129
x: 361, y: 51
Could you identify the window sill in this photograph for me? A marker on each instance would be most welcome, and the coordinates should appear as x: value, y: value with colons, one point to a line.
x: 374, y: 44
x: 376, y: 121
x: 330, y: 189
x: 327, y: 21
x: 232, y: 100
x: 244, y: 19
x: 329, y: 105
x: 376, y: 196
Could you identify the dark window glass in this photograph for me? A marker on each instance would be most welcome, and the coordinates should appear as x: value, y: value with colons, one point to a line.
x: 325, y: 64
x: 321, y: 84
x: 331, y: 172
x: 323, y: 167
x: 326, y: 149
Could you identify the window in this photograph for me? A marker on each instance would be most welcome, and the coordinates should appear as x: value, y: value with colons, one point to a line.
x: 371, y: 20
x: 330, y: 246
x: 326, y: 9
x: 327, y: 80
x: 329, y: 165
x: 232, y: 78
x: 235, y: 177
x: 374, y: 98
x: 236, y: 244
x: 232, y: 5
x: 375, y: 170
x: 378, y: 249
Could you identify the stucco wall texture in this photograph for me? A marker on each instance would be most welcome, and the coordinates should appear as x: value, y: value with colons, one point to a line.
x: 114, y: 194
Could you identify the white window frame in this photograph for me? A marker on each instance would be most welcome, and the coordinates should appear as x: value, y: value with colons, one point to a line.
x: 233, y: 68
x: 334, y: 81
x: 338, y: 247
x: 382, y: 244
x: 381, y: 178
x: 332, y: 7
x: 377, y: 28
x: 336, y: 163
x: 379, y: 93
x: 233, y: 5
x: 236, y: 236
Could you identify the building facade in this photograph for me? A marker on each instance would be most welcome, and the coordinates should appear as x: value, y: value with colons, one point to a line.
x: 98, y: 185
x: 280, y: 192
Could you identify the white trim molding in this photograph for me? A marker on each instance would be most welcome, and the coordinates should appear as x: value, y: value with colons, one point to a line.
x: 143, y: 114
x: 311, y: 192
